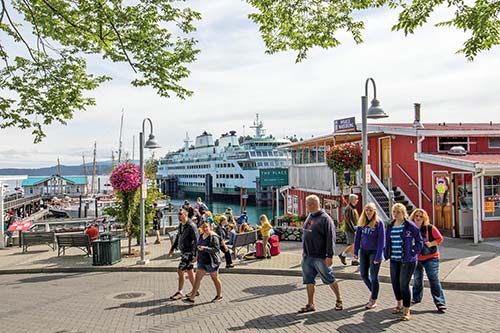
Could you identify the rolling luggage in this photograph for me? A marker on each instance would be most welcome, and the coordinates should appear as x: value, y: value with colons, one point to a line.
x: 275, y: 245
x: 259, y: 249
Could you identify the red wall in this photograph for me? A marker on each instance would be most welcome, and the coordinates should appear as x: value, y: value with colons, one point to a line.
x: 490, y: 229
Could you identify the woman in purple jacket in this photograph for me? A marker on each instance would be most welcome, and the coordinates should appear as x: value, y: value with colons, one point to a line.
x: 369, y: 241
x: 403, y: 243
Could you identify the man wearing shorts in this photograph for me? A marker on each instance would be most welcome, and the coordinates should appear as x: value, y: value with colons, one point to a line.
x: 318, y: 244
x: 351, y: 221
x: 185, y: 241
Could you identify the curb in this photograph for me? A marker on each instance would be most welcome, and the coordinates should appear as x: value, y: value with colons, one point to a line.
x: 447, y: 285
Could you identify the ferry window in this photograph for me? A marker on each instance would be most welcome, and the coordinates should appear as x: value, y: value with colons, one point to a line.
x: 446, y: 142
x: 259, y: 164
x: 492, y: 196
x: 241, y: 176
x: 494, y: 142
x: 259, y: 153
x: 231, y: 176
x: 252, y: 153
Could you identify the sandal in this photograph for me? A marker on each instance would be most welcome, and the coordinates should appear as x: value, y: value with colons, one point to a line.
x: 406, y: 317
x: 217, y: 299
x: 188, y: 300
x: 397, y: 309
x: 441, y: 308
x: 189, y: 294
x: 339, y: 305
x: 176, y: 296
x: 370, y: 305
x: 307, y: 308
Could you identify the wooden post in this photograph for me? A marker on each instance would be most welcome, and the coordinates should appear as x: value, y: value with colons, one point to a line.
x: 272, y: 204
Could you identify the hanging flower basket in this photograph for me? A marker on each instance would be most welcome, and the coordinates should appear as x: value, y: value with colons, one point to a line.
x: 345, y: 158
x: 126, y: 178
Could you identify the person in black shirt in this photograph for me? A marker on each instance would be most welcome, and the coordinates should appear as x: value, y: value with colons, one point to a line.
x: 185, y: 241
x: 188, y: 208
x: 208, y: 262
x: 223, y: 234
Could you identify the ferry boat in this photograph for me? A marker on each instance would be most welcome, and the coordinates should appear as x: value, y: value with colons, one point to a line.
x: 224, y: 167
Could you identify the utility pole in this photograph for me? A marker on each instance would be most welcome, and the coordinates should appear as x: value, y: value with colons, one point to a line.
x: 60, y: 177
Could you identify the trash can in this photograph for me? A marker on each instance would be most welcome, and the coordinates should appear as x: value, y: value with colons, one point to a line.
x: 106, y: 250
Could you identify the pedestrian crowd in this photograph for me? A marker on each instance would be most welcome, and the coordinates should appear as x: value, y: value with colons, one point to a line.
x: 410, y: 243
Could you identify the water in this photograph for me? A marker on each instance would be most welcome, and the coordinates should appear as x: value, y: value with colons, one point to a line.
x: 219, y: 207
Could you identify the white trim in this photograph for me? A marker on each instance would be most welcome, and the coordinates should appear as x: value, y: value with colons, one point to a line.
x: 410, y: 131
x: 446, y: 162
x: 313, y: 191
x: 481, y: 198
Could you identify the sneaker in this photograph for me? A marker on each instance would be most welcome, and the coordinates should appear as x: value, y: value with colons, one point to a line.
x: 414, y: 301
x: 355, y: 263
x: 268, y: 257
x: 342, y: 259
x: 230, y: 266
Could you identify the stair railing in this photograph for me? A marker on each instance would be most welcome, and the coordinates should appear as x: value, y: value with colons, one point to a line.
x: 412, y: 181
x: 384, y: 214
x: 380, y: 185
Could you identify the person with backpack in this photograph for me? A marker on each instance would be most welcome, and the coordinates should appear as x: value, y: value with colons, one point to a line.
x: 243, y: 218
x: 428, y: 259
x: 208, y: 261
x: 200, y: 205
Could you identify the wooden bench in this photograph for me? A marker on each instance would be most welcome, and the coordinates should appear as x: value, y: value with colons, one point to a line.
x: 81, y: 241
x: 37, y: 238
x: 242, y: 240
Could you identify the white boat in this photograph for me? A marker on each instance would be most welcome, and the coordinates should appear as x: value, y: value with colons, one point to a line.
x: 223, y: 167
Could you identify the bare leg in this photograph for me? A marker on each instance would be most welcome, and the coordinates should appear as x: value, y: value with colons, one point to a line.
x: 310, y: 293
x: 349, y: 249
x: 336, y: 290
x: 200, y: 273
x: 190, y: 274
x: 181, y: 280
x: 157, y: 235
x: 217, y: 283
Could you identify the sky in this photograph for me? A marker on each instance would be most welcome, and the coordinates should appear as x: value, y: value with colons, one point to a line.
x: 233, y: 79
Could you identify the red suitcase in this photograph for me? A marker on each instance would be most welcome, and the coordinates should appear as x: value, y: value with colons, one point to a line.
x: 259, y: 249
x: 274, y: 240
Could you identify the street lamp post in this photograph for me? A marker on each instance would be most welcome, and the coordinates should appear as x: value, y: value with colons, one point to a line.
x: 374, y: 112
x: 150, y: 144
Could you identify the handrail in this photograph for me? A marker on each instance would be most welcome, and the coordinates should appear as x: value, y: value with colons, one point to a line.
x: 379, y: 183
x: 412, y: 181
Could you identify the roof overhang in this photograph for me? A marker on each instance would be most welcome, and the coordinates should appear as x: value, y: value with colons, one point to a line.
x: 329, y: 139
x: 456, y: 163
x: 411, y: 131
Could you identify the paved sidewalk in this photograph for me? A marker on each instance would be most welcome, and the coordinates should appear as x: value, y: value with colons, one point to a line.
x: 464, y: 265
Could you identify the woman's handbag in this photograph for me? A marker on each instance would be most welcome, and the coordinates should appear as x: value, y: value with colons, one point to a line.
x: 428, y: 250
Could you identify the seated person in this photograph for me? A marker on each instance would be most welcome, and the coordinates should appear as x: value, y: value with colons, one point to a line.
x: 232, y: 234
x: 245, y: 227
x: 92, y: 232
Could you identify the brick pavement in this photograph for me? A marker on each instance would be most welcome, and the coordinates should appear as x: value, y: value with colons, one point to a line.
x: 85, y: 303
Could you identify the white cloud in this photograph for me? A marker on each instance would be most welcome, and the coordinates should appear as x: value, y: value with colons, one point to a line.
x: 233, y: 79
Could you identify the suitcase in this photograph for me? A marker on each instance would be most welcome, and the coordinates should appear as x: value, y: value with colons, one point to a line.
x: 259, y: 249
x: 275, y: 245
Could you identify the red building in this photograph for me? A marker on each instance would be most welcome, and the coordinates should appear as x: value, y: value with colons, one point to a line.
x: 452, y: 170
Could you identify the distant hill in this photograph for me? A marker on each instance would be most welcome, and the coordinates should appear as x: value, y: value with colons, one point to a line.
x: 102, y: 168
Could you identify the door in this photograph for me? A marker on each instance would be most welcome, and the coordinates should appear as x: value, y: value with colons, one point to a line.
x: 442, y: 203
x: 385, y: 160
x: 462, y: 207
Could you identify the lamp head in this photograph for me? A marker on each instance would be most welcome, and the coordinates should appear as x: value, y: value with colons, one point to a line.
x: 375, y: 111
x: 152, y: 143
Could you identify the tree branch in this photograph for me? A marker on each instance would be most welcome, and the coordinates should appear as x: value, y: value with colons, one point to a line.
x: 17, y: 32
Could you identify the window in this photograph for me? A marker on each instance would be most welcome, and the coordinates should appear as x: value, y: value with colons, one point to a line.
x: 492, y: 196
x: 494, y: 142
x: 446, y: 142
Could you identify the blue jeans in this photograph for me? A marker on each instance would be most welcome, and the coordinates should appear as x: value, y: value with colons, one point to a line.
x: 369, y: 271
x: 401, y: 273
x: 431, y: 267
x: 311, y: 267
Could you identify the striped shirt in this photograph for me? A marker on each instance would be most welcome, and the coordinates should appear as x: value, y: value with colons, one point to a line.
x: 397, y: 243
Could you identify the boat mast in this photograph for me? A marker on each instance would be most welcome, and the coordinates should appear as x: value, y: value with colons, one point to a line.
x: 120, y: 141
x: 85, y: 174
x: 60, y: 177
x: 93, y: 169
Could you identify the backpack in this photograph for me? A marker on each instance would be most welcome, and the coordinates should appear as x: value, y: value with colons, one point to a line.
x: 242, y: 219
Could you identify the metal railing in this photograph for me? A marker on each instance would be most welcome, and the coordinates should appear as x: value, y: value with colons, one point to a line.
x: 412, y: 181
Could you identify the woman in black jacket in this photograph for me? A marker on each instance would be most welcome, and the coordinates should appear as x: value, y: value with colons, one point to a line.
x: 208, y: 261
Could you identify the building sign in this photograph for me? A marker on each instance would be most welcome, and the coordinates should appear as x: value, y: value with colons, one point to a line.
x: 344, y: 125
x: 273, y: 177
x: 489, y: 206
x: 20, y: 226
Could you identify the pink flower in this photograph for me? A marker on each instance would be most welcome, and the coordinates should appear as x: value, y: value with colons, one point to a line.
x: 126, y: 178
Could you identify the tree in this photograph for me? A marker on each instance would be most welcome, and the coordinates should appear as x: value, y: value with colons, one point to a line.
x: 302, y: 24
x: 45, y: 45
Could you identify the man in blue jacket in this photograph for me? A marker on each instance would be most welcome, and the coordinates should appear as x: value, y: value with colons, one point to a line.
x: 318, y: 244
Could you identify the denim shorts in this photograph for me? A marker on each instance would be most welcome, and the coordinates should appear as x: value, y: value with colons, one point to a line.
x: 207, y: 268
x: 311, y: 267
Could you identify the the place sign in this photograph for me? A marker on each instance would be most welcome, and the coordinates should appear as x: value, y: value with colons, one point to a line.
x: 273, y: 177
x: 344, y: 125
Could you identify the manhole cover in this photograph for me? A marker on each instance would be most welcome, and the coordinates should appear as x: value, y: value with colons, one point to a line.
x: 129, y: 295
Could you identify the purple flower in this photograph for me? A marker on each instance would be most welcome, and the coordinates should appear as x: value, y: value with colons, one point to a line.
x: 126, y: 178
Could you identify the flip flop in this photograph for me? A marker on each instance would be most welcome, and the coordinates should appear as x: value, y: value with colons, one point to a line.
x: 307, y: 308
x: 397, y: 310
x: 339, y: 305
x: 176, y: 296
